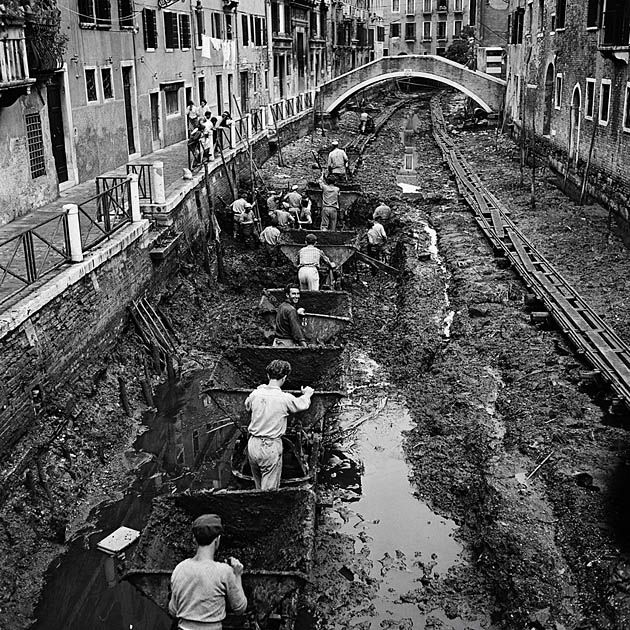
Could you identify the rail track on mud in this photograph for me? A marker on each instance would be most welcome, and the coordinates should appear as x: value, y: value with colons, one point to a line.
x: 592, y: 337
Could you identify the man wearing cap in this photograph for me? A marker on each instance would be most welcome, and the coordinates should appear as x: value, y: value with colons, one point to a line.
x: 238, y: 207
x: 289, y: 333
x: 330, y: 202
x: 201, y: 587
x: 309, y: 259
x: 337, y: 161
x: 382, y: 212
x: 270, y: 408
x: 376, y: 241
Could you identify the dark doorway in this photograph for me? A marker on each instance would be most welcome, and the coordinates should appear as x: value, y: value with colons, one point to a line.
x: 219, y: 94
x: 155, y: 120
x: 281, y: 75
x: 549, y: 85
x: 244, y: 92
x: 128, y: 92
x: 57, y: 134
x: 301, y: 61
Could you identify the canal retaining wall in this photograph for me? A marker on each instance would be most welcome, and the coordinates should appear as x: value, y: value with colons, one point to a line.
x: 48, y: 338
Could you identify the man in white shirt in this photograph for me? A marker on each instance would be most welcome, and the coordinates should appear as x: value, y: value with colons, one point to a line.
x: 270, y: 239
x: 201, y: 587
x: 337, y: 162
x: 270, y: 407
x: 376, y: 241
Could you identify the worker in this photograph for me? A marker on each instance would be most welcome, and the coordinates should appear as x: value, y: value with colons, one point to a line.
x: 304, y: 215
x: 382, y: 212
x: 272, y: 201
x: 284, y: 219
x: 309, y: 259
x: 238, y: 206
x: 337, y: 161
x: 201, y: 587
x: 293, y: 198
x: 376, y: 241
x: 270, y: 239
x: 330, y: 202
x: 289, y: 333
x: 270, y: 408
x: 366, y: 123
x: 247, y: 225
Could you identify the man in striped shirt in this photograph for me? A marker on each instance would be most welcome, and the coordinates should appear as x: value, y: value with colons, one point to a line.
x: 309, y: 260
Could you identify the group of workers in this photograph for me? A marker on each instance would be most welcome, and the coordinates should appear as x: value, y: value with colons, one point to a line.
x: 201, y: 587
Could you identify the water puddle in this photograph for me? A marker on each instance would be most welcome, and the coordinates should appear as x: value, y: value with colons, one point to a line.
x: 404, y: 543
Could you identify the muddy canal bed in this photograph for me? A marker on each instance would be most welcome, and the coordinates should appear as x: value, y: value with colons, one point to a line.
x: 470, y: 480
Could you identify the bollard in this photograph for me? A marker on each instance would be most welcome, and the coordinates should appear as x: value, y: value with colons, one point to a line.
x: 157, y: 180
x: 134, y: 194
x: 75, y: 250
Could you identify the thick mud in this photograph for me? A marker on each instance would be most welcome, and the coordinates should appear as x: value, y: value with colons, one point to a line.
x: 473, y: 481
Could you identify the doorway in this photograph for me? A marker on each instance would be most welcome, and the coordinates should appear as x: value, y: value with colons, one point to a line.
x: 57, y: 133
x: 156, y: 125
x: 301, y: 60
x: 549, y: 87
x: 128, y: 96
x: 576, y: 122
x: 281, y: 75
x: 244, y: 78
x: 219, y: 95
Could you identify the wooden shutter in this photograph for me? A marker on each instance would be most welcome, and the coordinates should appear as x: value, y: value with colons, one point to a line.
x: 103, y: 12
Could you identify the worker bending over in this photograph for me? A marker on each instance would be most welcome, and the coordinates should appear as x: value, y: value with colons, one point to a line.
x: 270, y: 408
x: 309, y: 259
x: 289, y: 333
x: 201, y: 587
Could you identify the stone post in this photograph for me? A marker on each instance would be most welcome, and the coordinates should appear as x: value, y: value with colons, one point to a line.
x: 134, y: 194
x: 75, y: 250
x: 157, y: 181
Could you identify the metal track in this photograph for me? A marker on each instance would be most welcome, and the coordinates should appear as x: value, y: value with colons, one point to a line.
x: 592, y: 337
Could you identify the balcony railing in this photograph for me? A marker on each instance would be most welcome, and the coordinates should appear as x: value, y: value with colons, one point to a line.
x: 14, y: 75
x: 45, y: 45
x: 616, y: 27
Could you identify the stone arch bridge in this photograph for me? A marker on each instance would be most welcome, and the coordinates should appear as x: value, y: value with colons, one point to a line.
x: 484, y: 89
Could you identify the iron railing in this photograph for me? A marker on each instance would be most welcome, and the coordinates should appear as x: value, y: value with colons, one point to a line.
x: 145, y: 180
x: 29, y: 255
x: 101, y: 215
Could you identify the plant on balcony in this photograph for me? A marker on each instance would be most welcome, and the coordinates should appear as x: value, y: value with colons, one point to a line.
x: 45, y: 44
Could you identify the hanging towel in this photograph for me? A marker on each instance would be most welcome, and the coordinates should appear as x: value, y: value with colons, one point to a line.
x: 205, y: 46
x: 216, y: 43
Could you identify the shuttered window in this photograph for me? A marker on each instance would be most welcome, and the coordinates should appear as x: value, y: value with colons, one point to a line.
x: 171, y: 30
x: 95, y: 13
x: 149, y: 23
x: 245, y: 30
x: 184, y: 31
x: 125, y: 13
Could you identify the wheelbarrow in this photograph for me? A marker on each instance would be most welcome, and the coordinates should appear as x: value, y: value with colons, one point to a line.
x: 271, y: 533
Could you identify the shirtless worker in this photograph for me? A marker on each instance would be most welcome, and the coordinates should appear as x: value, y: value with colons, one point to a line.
x: 201, y: 587
x: 309, y: 259
x: 270, y: 408
x: 289, y: 333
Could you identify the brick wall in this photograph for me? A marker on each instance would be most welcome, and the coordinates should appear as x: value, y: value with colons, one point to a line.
x: 66, y: 336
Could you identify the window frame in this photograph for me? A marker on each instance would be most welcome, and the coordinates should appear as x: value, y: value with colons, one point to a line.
x: 410, y: 7
x: 180, y: 18
x: 94, y: 20
x: 589, y: 102
x: 600, y: 120
x: 592, y: 27
x: 35, y: 144
x: 410, y: 26
x: 444, y: 37
x: 111, y: 78
x: 175, y: 36
x: 427, y: 6
x: 93, y: 69
x: 426, y: 38
x: 557, y: 91
x: 397, y: 25
x: 154, y: 32
x: 457, y: 34
x: 625, y: 114
x: 179, y: 104
x: 396, y: 3
x: 561, y: 4
x: 200, y: 28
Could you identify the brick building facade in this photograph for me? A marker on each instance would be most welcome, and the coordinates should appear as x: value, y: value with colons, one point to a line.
x: 568, y: 79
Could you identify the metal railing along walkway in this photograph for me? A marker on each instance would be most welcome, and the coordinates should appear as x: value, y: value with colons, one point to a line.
x: 593, y: 338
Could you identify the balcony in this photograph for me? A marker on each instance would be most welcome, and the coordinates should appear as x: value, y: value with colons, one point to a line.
x: 14, y: 74
x: 614, y: 39
x: 282, y: 41
x: 45, y: 45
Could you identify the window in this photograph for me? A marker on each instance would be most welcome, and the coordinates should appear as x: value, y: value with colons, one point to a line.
x: 626, y: 109
x: 91, y: 89
x: 592, y: 14
x: 604, y: 102
x: 149, y: 25
x: 202, y: 89
x: 457, y: 28
x: 106, y: 81
x: 35, y: 145
x: 411, y: 7
x: 426, y: 6
x: 589, y: 104
x: 541, y: 14
x: 440, y: 52
x: 275, y: 17
x: 558, y: 92
x: 228, y: 26
x: 385, y: 52
x: 426, y: 30
x: 172, y: 101
x: 95, y: 13
x: 442, y: 5
x: 553, y: 22
x: 380, y: 33
x: 458, y: 6
x: 171, y: 30
x: 395, y: 6
x: 561, y: 7
x: 616, y: 23
x: 184, y: 31
x: 200, y: 26
x: 410, y: 30
x: 394, y: 30
x: 125, y: 13
x: 217, y: 26
x: 245, y: 30
x: 441, y: 30
x: 517, y: 26
x: 472, y: 12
